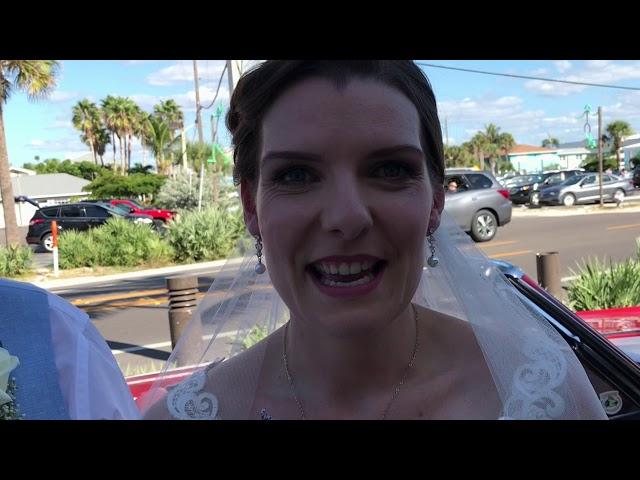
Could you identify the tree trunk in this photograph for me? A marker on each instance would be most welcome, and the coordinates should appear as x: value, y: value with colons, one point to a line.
x: 121, y: 155
x: 113, y: 144
x: 481, y: 160
x: 11, y: 232
x: 93, y: 150
x: 129, y: 151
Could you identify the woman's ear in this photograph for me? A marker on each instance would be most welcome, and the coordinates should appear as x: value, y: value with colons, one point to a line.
x: 248, y: 197
x: 436, y: 209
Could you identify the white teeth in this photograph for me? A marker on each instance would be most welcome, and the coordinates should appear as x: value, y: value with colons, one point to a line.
x: 353, y: 268
x: 361, y: 281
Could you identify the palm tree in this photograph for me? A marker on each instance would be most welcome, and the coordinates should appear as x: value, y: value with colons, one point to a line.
x: 479, y: 144
x: 158, y: 141
x: 550, y: 142
x: 86, y: 118
x: 141, y: 130
x: 457, y: 156
x: 506, y: 142
x: 170, y: 113
x: 101, y: 139
x: 616, y: 131
x: 108, y: 112
x: 37, y: 78
x: 132, y: 118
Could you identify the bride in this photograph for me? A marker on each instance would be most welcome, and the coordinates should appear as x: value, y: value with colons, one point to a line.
x: 374, y: 304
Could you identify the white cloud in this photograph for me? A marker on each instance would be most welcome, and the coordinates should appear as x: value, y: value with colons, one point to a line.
x: 61, y: 122
x: 62, y: 96
x: 209, y: 72
x: 182, y: 72
x: 562, y: 65
x: 593, y: 71
x: 145, y: 101
x: 188, y: 100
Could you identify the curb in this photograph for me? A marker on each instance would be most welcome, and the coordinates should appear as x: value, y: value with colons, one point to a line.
x: 90, y: 280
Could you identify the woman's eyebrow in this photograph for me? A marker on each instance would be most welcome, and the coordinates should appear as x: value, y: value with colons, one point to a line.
x: 383, y: 152
x: 291, y: 155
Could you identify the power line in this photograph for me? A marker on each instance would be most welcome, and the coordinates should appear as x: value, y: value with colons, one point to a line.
x: 217, y: 89
x: 527, y: 77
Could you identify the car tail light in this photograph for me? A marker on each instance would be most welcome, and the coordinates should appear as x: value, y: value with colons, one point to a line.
x: 36, y: 221
x: 505, y: 193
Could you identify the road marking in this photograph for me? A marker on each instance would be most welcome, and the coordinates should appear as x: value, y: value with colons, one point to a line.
x: 620, y: 227
x: 510, y: 254
x: 117, y: 296
x: 498, y: 244
x: 119, y: 351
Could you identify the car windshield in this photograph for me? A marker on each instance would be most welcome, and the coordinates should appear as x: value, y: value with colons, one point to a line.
x: 122, y: 209
x: 133, y: 202
x: 113, y: 209
x: 525, y: 179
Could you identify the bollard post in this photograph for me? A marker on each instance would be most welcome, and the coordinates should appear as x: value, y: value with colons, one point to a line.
x: 548, y: 269
x: 182, y: 304
x: 54, y: 238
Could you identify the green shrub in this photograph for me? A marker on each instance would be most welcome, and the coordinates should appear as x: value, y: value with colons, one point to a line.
x: 14, y: 260
x: 118, y: 243
x: 600, y: 287
x: 210, y: 234
x: 77, y: 249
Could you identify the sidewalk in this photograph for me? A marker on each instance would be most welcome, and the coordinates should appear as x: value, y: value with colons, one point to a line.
x: 51, y: 283
x: 631, y: 204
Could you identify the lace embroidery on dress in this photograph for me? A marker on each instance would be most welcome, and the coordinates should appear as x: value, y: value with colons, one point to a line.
x: 533, y: 394
x: 187, y: 401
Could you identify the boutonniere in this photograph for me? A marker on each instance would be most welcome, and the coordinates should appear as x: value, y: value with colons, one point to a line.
x: 8, y: 406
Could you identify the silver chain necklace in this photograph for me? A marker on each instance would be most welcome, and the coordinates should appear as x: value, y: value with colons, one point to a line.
x: 396, y: 389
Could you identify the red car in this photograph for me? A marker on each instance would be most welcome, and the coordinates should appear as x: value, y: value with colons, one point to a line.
x: 135, y: 207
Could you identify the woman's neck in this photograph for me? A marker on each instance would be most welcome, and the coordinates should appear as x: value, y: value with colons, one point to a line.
x: 349, y: 371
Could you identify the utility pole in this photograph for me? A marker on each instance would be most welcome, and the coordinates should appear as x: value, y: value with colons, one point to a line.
x: 198, y: 115
x: 600, y: 153
x: 446, y: 130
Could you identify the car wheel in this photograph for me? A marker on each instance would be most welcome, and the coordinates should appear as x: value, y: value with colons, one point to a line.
x: 619, y: 195
x: 535, y: 199
x: 47, y: 242
x: 483, y: 226
x: 569, y: 200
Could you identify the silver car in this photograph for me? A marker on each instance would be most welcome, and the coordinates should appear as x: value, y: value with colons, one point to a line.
x: 586, y: 189
x: 479, y: 204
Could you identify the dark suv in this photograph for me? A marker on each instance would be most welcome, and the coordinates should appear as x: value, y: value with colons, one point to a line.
x: 636, y: 177
x: 73, y: 216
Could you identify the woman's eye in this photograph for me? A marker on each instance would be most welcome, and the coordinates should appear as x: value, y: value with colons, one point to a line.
x: 294, y: 176
x: 391, y: 171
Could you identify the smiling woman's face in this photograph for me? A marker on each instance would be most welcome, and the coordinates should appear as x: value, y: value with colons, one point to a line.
x: 343, y: 202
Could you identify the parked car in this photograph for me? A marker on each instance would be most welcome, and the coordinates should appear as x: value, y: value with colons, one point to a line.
x: 608, y: 361
x: 636, y: 177
x: 586, y: 189
x: 135, y: 207
x: 74, y: 216
x: 551, y: 179
x: 479, y: 205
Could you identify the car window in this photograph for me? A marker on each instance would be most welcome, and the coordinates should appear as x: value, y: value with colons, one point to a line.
x: 71, y: 212
x: 50, y: 212
x: 478, y: 181
x: 96, y: 212
x: 459, y: 179
x: 554, y: 179
x: 607, y: 178
x: 590, y: 180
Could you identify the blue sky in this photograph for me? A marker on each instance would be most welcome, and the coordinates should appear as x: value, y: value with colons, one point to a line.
x: 530, y: 110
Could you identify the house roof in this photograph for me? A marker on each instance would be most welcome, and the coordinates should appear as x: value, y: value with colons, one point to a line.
x: 21, y: 171
x: 523, y: 149
x: 50, y: 184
